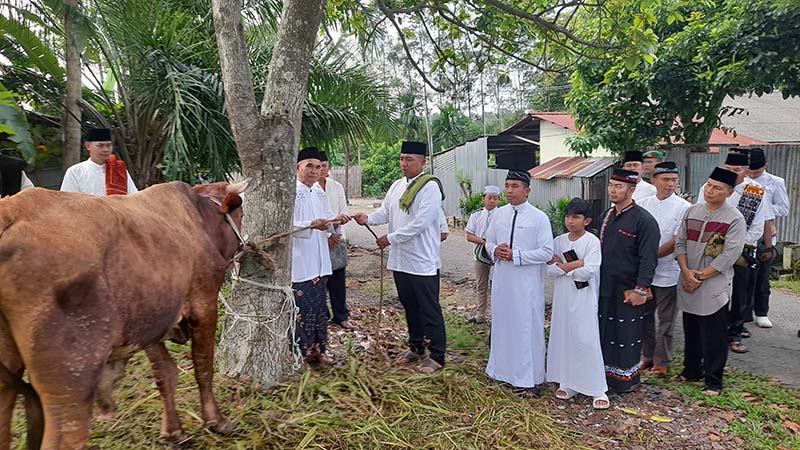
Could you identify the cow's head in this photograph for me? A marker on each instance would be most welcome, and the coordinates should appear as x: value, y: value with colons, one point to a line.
x: 221, y: 207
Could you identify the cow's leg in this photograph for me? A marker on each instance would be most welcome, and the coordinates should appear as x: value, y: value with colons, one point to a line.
x: 112, y: 373
x: 166, y: 375
x: 9, y: 357
x: 203, y: 357
x: 66, y: 420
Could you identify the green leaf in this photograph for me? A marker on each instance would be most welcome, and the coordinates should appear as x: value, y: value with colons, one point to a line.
x: 13, y: 117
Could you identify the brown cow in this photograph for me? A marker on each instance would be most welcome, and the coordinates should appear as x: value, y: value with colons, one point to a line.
x: 86, y: 281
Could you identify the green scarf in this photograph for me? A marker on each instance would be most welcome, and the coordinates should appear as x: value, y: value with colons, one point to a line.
x: 411, y: 192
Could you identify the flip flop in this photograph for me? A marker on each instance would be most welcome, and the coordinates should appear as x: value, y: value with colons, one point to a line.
x: 408, y: 358
x: 737, y: 347
x: 565, y: 393
x: 597, y: 402
x: 428, y: 366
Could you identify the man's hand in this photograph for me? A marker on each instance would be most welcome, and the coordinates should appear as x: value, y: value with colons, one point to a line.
x: 361, y: 218
x: 343, y: 219
x: 333, y: 240
x: 504, y: 252
x: 554, y: 260
x: 634, y: 298
x: 383, y: 242
x: 768, y: 255
x: 320, y: 224
x: 690, y: 281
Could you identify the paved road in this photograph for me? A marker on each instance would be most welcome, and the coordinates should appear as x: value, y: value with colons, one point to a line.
x: 774, y: 352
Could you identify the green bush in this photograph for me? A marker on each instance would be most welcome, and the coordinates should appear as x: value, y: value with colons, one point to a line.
x: 475, y: 202
x: 555, y: 211
x: 380, y: 169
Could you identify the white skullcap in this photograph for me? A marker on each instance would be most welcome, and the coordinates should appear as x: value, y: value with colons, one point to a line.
x: 491, y: 190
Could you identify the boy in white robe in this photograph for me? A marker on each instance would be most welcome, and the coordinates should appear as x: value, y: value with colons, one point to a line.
x: 520, y: 241
x: 574, y: 354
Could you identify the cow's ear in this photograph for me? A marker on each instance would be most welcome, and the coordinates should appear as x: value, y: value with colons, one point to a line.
x: 230, y: 203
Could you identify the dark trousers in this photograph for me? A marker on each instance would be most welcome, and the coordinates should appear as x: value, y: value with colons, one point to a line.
x: 419, y: 295
x: 659, y: 321
x: 312, y: 323
x: 761, y: 290
x: 705, y: 349
x: 741, y: 301
x: 338, y: 294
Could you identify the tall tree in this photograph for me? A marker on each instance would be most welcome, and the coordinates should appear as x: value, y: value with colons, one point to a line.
x: 267, y: 142
x: 72, y: 91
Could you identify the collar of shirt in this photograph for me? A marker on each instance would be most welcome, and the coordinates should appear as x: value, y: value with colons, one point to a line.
x: 411, y: 180
x: 301, y: 185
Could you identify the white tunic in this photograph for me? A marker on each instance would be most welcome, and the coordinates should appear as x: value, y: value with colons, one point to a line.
x: 776, y: 191
x: 414, y: 236
x: 310, y: 254
x: 89, y: 177
x: 337, y: 200
x: 574, y: 355
x: 25, y: 182
x: 764, y: 212
x: 643, y: 190
x: 517, y: 345
x: 479, y: 221
x: 668, y: 213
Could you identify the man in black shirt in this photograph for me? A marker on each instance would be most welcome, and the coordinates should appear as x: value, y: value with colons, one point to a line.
x: 629, y: 238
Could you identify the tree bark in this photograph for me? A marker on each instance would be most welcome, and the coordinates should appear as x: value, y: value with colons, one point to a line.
x: 260, y: 347
x: 347, y: 167
x: 72, y: 93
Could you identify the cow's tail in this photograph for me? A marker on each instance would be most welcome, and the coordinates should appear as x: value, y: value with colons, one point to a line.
x: 33, y: 406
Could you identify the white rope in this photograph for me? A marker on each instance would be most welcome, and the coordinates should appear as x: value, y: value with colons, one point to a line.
x: 265, y: 322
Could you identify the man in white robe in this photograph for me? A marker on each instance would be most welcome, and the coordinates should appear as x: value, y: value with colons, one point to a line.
x: 311, y: 260
x: 89, y: 177
x: 337, y: 241
x: 574, y: 354
x: 634, y: 162
x: 520, y: 240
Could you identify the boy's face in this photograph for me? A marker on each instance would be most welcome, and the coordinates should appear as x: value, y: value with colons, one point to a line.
x: 576, y: 223
x: 490, y: 201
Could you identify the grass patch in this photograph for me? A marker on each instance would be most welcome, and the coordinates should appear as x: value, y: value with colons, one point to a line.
x: 793, y: 286
x: 764, y: 414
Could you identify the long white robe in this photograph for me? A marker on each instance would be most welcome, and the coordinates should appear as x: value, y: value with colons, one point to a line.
x: 574, y: 355
x: 517, y: 352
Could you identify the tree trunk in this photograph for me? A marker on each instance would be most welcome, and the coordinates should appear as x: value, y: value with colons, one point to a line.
x: 255, y: 339
x: 72, y: 93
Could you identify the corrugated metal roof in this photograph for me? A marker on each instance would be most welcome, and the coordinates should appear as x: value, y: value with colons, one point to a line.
x: 559, y: 118
x: 569, y: 167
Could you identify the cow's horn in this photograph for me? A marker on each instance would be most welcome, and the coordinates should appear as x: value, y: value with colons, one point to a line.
x: 240, y: 187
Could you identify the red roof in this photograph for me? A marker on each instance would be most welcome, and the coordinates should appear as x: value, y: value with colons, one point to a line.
x: 718, y: 136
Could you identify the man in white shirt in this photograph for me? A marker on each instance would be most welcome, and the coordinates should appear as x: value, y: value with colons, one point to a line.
x: 633, y: 162
x: 91, y: 177
x: 476, y: 230
x: 668, y: 209
x: 779, y: 202
x: 311, y: 260
x: 412, y: 208
x: 337, y: 290
x: 751, y: 199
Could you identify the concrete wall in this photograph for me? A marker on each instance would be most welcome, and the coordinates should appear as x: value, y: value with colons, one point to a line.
x: 553, y: 143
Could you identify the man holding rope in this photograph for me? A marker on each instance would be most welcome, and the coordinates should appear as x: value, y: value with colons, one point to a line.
x: 412, y: 207
x: 311, y: 261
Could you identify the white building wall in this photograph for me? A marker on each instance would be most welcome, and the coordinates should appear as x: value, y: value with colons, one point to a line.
x: 553, y: 139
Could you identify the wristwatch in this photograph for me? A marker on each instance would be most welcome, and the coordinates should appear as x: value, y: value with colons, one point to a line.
x: 697, y: 277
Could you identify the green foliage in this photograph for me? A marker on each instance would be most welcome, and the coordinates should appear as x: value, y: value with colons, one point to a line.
x: 380, y: 168
x: 705, y: 52
x: 14, y: 125
x: 555, y: 212
x: 449, y: 128
x: 475, y: 202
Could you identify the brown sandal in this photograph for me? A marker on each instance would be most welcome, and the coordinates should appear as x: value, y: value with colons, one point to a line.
x: 408, y: 358
x: 428, y: 366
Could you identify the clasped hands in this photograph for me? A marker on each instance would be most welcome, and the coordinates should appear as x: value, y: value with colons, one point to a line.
x: 692, y: 279
x: 503, y: 252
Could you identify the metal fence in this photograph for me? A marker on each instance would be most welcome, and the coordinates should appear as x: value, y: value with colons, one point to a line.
x: 353, y: 186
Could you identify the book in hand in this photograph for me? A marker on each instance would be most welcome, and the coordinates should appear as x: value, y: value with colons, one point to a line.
x: 570, y: 256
